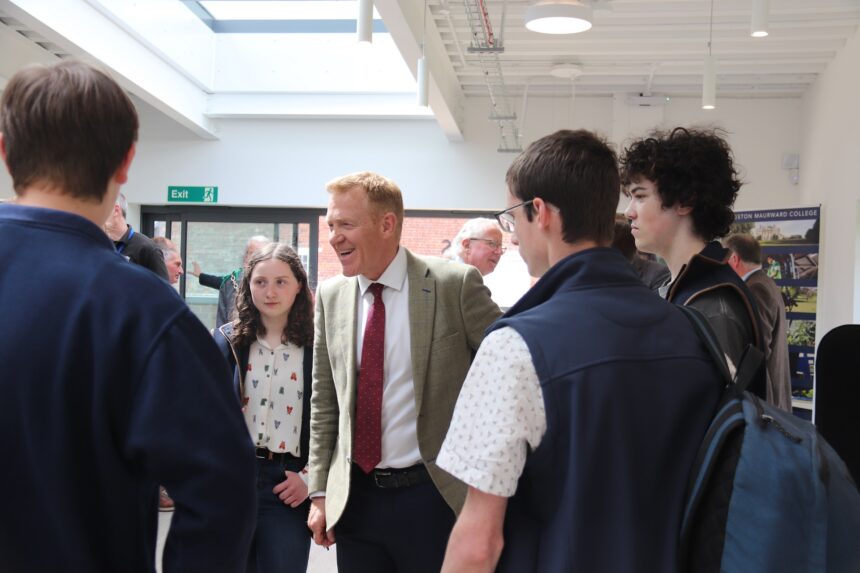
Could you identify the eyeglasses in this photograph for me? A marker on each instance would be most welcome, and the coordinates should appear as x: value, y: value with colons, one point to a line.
x: 506, y: 220
x: 495, y: 245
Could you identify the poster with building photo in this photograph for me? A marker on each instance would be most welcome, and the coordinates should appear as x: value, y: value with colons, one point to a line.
x: 789, y: 245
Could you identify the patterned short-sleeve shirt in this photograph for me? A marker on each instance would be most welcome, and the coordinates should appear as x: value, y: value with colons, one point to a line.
x: 499, y: 416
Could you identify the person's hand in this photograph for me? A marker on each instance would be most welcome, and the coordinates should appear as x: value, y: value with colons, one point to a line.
x: 316, y: 523
x: 292, y: 491
x: 195, y: 269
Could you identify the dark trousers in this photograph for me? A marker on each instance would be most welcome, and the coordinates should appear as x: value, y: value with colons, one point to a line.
x: 397, y: 530
x: 282, y: 539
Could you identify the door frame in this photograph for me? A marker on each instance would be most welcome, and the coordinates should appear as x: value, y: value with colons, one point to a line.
x: 185, y: 214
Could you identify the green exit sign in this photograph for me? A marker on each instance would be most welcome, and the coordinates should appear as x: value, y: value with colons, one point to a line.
x: 176, y: 194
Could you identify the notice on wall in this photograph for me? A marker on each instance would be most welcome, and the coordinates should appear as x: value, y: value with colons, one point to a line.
x: 789, y: 245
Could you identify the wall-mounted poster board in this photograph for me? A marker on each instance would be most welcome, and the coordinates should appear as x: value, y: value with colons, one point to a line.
x: 789, y: 244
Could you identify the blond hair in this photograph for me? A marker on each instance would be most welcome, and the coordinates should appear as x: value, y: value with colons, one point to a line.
x: 383, y: 194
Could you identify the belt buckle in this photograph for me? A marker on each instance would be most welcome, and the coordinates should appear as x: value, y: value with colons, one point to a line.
x: 381, y: 474
x: 268, y: 455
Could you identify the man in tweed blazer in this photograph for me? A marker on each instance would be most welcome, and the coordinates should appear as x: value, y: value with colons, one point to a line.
x: 397, y: 515
x: 745, y: 259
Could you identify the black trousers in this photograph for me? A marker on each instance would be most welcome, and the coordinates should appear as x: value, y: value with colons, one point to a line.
x: 398, y: 530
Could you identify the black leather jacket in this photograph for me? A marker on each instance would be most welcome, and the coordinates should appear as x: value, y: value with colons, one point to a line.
x: 709, y: 285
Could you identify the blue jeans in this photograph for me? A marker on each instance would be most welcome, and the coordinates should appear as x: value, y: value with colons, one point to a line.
x: 282, y: 539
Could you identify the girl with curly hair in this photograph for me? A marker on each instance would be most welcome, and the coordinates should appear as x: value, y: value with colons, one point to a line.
x: 269, y: 346
x: 682, y: 186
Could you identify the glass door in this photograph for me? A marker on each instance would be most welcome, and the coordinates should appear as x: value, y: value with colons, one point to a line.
x: 212, y: 242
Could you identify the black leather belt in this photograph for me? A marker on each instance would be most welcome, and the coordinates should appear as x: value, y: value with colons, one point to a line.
x: 267, y: 454
x: 391, y: 478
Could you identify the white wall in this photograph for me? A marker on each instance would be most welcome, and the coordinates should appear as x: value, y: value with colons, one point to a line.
x: 760, y: 132
x: 287, y: 162
x: 829, y: 161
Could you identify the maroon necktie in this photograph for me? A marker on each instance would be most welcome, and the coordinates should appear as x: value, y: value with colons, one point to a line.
x: 367, y: 449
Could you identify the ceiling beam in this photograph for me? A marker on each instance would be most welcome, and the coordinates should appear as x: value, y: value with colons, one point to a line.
x: 80, y: 29
x: 405, y: 22
x: 320, y: 105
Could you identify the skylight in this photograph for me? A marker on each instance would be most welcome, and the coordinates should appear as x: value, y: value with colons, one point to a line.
x: 283, y: 10
x: 258, y: 43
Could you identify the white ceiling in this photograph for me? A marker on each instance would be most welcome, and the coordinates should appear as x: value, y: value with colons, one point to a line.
x: 171, y: 60
x: 655, y: 45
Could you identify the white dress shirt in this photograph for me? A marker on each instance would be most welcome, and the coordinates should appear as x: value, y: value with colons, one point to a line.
x: 399, y: 415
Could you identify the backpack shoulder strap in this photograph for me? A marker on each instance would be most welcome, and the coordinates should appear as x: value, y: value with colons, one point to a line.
x: 709, y: 339
x: 749, y: 367
x: 750, y: 362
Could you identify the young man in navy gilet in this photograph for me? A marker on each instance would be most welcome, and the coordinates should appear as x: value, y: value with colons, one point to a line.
x: 580, y: 417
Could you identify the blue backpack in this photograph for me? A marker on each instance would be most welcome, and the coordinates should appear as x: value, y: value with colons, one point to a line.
x: 767, y: 493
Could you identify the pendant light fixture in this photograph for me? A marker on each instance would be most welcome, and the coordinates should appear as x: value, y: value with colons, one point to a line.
x: 709, y: 83
x: 364, y: 25
x: 709, y: 74
x: 760, y: 13
x: 423, y: 72
x: 559, y: 16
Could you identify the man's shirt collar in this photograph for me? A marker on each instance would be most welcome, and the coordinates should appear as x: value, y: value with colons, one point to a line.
x: 749, y: 274
x: 393, y: 277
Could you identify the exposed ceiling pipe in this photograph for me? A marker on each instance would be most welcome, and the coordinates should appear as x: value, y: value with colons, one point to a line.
x: 488, y: 28
x: 502, y: 23
x: 487, y: 51
x: 423, y: 72
x: 525, y: 106
x: 572, y: 105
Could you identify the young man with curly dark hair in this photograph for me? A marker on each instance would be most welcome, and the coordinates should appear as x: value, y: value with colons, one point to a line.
x: 682, y: 185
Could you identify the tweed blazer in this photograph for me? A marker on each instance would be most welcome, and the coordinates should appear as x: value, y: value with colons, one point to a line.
x: 771, y: 310
x: 449, y: 310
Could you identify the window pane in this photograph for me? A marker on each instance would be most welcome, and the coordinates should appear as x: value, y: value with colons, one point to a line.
x: 297, y: 235
x: 218, y: 248
x: 176, y: 234
x: 160, y: 227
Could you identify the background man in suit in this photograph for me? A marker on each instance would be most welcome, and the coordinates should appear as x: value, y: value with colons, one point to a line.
x: 745, y: 259
x: 172, y: 258
x: 133, y: 245
x: 394, y: 338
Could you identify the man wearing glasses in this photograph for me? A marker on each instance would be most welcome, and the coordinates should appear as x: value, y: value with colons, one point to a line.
x: 478, y: 243
x: 586, y: 402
